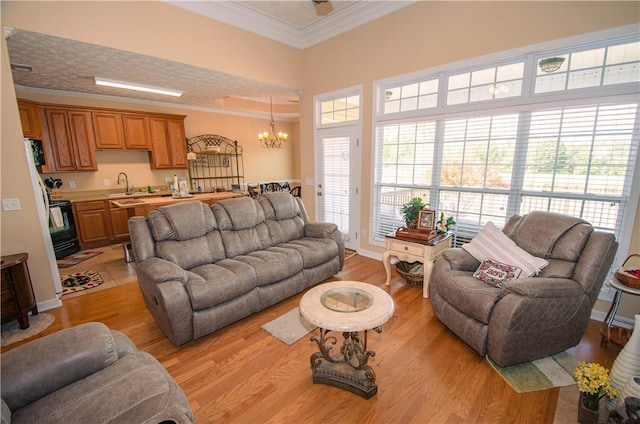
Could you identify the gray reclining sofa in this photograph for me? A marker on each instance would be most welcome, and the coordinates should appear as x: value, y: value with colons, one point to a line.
x: 88, y: 374
x: 203, y: 267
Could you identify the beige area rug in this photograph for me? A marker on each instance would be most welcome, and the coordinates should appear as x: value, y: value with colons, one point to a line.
x: 12, y: 333
x: 290, y: 327
x: 541, y: 374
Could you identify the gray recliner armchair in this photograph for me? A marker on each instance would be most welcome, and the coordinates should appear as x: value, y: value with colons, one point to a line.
x: 532, y: 317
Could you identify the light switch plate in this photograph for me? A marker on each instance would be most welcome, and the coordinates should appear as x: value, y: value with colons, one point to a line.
x: 72, y: 184
x: 11, y: 204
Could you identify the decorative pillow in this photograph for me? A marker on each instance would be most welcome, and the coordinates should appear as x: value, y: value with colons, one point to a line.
x: 491, y: 243
x: 496, y: 273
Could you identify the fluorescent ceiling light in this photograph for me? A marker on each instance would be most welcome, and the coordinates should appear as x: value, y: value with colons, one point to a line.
x: 138, y: 87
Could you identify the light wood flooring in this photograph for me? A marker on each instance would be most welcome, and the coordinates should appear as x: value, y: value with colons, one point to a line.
x: 242, y: 374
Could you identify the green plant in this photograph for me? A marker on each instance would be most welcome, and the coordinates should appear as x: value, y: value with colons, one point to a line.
x: 411, y: 210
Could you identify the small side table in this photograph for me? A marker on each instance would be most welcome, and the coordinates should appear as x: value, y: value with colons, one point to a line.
x: 412, y: 250
x: 609, y: 332
x: 352, y: 308
x: 17, y: 293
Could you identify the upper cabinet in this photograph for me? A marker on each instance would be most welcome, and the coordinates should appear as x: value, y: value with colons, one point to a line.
x: 168, y: 143
x: 109, y: 130
x: 71, y: 135
x: 29, y: 120
x: 136, y: 131
x: 121, y: 131
x: 72, y: 138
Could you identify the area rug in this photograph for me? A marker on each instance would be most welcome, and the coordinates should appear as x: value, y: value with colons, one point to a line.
x: 12, y: 333
x: 290, y: 327
x: 80, y: 281
x: 541, y: 374
x: 348, y: 253
x: 76, y: 258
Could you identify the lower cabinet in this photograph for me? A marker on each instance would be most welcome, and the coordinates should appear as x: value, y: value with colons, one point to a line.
x: 119, y: 222
x: 93, y: 222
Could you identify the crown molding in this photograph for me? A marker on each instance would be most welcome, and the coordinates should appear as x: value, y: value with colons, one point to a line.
x: 236, y: 14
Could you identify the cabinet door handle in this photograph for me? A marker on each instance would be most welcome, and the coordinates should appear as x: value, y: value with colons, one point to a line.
x: 406, y: 248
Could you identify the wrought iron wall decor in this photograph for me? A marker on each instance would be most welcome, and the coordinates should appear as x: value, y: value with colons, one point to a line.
x: 215, y: 163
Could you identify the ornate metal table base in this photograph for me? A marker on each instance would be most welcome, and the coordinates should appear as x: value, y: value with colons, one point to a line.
x: 348, y: 369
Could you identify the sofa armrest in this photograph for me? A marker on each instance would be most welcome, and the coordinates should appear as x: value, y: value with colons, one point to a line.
x: 544, y: 287
x: 460, y: 260
x: 319, y: 229
x: 159, y: 270
x: 39, y: 368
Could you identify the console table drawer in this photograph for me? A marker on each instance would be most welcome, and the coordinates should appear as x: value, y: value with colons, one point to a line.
x: 411, y: 249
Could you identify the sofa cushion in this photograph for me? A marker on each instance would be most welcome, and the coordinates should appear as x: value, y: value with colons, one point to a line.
x: 491, y: 243
x: 283, y: 217
x: 273, y: 264
x: 181, y: 221
x: 191, y: 253
x: 100, y: 397
x: 313, y: 251
x: 551, y: 235
x: 212, y: 284
x: 469, y: 295
x: 238, y: 213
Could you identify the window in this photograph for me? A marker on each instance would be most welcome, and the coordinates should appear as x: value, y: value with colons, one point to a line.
x: 494, y: 147
x: 344, y: 109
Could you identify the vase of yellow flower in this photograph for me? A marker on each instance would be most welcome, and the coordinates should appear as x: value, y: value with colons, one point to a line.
x: 594, y: 384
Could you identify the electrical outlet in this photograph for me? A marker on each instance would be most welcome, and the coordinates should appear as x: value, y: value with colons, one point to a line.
x: 72, y: 184
x: 107, y: 183
x: 168, y: 180
x: 11, y: 204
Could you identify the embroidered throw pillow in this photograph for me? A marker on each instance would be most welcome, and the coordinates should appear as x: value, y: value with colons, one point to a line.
x: 491, y: 243
x: 496, y: 273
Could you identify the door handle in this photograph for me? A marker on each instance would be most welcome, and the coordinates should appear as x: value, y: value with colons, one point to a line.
x: 319, y: 193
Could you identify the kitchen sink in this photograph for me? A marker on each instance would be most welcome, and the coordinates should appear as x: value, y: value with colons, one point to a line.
x: 134, y: 194
x: 131, y: 201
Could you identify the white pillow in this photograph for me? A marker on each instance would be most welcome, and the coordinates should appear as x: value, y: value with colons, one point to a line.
x: 491, y: 243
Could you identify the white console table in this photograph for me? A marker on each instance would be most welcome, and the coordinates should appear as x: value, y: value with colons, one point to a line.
x: 412, y: 250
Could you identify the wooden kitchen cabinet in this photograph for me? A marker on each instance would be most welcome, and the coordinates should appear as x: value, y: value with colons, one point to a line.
x: 136, y: 132
x: 72, y: 139
x: 109, y: 130
x: 92, y: 221
x: 119, y: 222
x: 168, y: 143
x: 30, y: 120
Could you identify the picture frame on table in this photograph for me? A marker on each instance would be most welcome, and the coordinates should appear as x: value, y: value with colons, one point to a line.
x: 426, y: 220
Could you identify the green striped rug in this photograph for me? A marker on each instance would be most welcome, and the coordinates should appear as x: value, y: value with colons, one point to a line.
x: 541, y: 374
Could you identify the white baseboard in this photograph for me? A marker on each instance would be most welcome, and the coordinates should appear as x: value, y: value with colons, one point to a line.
x: 49, y: 304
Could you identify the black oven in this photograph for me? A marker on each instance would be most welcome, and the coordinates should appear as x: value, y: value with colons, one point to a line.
x: 62, y: 229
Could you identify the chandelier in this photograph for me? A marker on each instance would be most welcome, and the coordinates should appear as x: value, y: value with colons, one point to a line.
x: 272, y: 139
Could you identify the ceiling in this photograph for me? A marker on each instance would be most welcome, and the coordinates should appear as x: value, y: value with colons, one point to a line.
x: 64, y: 65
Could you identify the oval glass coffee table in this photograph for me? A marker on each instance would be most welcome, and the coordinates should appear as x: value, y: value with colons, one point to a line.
x: 350, y: 307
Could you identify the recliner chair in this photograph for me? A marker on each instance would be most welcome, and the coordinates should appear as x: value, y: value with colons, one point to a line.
x: 532, y: 317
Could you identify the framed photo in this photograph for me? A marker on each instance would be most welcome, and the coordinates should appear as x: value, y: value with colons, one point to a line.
x: 426, y: 220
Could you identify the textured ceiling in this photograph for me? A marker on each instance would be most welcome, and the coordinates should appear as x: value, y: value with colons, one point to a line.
x: 64, y: 65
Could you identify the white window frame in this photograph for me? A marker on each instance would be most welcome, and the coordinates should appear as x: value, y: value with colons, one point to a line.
x: 531, y: 56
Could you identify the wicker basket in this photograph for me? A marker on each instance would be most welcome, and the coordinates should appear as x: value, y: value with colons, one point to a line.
x: 403, y: 269
x: 626, y: 279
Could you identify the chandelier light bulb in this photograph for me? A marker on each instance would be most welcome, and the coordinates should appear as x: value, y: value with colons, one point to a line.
x: 272, y: 139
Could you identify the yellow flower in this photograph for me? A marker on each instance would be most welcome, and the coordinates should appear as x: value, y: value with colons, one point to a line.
x: 594, y: 382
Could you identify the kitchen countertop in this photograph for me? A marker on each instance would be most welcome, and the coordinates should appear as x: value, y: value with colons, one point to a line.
x: 129, y: 202
x: 94, y: 195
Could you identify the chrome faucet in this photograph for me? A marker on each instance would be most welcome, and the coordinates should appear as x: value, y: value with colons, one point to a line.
x: 126, y: 181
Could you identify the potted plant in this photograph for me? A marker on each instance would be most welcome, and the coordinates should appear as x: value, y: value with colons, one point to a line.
x: 411, y: 210
x: 444, y: 224
x: 594, y: 383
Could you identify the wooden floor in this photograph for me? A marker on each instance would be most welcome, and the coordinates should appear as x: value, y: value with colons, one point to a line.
x: 242, y: 374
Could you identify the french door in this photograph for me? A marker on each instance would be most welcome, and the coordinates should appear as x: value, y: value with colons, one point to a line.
x: 337, y: 182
